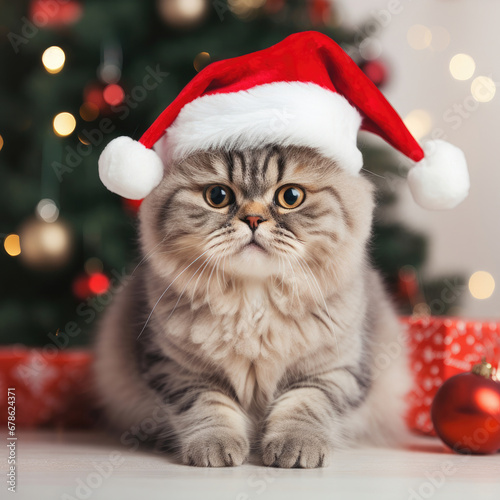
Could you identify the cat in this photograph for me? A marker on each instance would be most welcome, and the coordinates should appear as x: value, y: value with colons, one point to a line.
x: 254, y: 320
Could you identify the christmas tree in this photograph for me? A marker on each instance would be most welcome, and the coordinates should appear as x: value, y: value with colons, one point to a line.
x: 76, y: 75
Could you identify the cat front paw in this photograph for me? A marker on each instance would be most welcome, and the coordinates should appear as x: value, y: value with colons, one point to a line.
x: 295, y: 448
x: 215, y: 448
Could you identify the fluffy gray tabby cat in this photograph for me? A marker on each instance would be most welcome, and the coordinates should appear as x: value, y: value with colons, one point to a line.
x: 254, y: 320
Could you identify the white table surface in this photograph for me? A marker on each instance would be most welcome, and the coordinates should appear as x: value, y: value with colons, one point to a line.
x: 52, y: 464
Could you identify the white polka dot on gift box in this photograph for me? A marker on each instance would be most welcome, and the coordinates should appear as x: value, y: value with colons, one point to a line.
x: 470, y: 339
x: 437, y: 339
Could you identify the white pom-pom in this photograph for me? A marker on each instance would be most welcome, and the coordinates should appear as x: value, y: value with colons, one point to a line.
x: 128, y: 168
x: 440, y: 181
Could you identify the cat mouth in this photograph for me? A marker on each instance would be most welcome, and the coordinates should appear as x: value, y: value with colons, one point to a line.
x: 253, y: 244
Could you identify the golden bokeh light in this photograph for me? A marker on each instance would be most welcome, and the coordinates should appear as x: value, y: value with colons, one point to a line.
x: 481, y: 285
x: 1, y: 143
x: 201, y: 60
x: 89, y: 111
x: 462, y: 66
x: 419, y: 37
x: 483, y: 89
x: 64, y: 123
x: 419, y: 123
x: 45, y: 245
x: 440, y: 38
x: 183, y: 13
x: 53, y: 59
x: 12, y: 245
x: 244, y: 8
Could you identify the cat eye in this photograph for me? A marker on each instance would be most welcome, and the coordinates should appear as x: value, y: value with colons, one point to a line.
x: 289, y: 196
x: 218, y: 195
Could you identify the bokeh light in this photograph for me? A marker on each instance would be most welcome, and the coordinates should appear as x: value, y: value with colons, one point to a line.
x: 419, y: 37
x: 440, y: 38
x: 98, y: 283
x: 64, y: 124
x: 481, y: 285
x: 109, y: 73
x: 89, y: 111
x: 113, y: 94
x: 47, y: 210
x: 244, y: 8
x: 483, y: 89
x: 183, y: 13
x: 1, y: 143
x: 45, y: 245
x: 201, y: 60
x: 83, y: 140
x: 462, y: 66
x: 419, y: 123
x: 12, y: 245
x: 53, y: 59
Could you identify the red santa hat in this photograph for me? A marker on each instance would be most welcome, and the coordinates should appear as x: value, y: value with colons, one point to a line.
x: 303, y: 91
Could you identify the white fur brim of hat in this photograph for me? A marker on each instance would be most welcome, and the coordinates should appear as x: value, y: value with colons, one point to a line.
x: 283, y: 113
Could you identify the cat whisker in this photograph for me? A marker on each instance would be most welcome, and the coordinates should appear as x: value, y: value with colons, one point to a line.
x: 149, y: 254
x: 219, y: 260
x: 324, y: 302
x: 373, y: 173
x: 185, y: 286
x: 199, y: 277
x: 168, y: 287
x: 294, y: 280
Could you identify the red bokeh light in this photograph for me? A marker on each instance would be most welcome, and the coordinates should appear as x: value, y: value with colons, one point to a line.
x: 98, y: 283
x: 113, y: 94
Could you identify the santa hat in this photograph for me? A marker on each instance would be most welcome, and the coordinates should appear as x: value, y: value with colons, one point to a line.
x: 303, y: 91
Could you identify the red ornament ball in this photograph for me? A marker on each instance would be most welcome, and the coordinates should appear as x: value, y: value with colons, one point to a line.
x: 376, y: 71
x: 466, y: 412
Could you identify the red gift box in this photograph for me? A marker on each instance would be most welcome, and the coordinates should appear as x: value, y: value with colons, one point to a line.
x: 51, y: 387
x: 54, y: 388
x: 440, y: 348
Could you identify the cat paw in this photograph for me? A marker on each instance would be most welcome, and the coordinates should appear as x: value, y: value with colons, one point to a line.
x: 215, y: 449
x: 295, y: 449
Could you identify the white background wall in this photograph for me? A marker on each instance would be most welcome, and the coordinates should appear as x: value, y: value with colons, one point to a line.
x: 466, y: 239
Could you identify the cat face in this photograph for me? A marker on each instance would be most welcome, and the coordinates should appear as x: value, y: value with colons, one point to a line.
x: 270, y: 212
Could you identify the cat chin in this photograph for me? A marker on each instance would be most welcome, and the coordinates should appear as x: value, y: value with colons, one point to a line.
x: 252, y: 261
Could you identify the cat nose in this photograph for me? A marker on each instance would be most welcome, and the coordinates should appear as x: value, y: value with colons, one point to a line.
x: 253, y: 221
